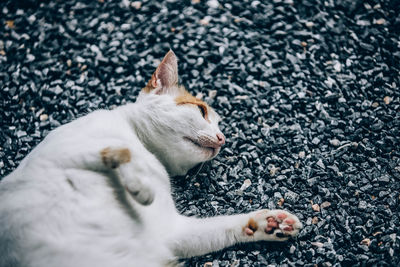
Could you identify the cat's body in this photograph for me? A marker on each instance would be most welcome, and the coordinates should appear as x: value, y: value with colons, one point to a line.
x: 96, y: 191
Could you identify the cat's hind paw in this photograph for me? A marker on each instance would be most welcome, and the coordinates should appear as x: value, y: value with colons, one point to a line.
x: 272, y: 225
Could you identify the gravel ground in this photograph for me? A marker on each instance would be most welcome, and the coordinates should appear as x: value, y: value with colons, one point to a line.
x: 309, y: 93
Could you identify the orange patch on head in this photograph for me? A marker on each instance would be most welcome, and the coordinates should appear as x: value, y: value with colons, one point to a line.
x: 149, y: 87
x: 187, y: 98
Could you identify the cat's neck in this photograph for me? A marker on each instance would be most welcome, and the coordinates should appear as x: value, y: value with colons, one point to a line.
x: 146, y: 122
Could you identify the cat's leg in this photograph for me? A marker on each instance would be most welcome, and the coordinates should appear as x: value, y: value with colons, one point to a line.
x: 116, y: 161
x: 194, y: 237
x: 119, y: 160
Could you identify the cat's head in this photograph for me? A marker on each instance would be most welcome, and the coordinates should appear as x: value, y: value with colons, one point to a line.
x: 180, y: 129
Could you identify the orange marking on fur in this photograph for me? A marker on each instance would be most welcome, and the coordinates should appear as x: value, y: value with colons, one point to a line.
x: 252, y: 224
x: 251, y: 227
x: 186, y: 98
x: 112, y: 158
x: 149, y: 87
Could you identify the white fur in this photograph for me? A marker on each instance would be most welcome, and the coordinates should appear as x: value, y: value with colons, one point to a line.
x: 63, y: 207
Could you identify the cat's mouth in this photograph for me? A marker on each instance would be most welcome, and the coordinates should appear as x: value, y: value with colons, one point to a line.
x: 211, y: 151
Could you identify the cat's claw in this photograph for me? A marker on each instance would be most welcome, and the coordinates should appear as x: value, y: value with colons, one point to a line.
x: 272, y: 225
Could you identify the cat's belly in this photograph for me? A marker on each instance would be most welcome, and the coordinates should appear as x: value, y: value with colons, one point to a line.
x: 75, y: 218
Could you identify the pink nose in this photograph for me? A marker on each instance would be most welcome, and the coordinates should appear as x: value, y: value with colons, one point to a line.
x: 221, y: 139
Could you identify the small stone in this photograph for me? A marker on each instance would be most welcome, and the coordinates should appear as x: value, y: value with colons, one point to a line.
x: 80, y: 59
x: 273, y: 170
x: 119, y: 70
x: 320, y: 164
x: 380, y: 21
x: 292, y: 249
x: 21, y: 133
x: 56, y: 90
x: 384, y: 179
x: 325, y: 204
x: 317, y: 244
x: 213, y: 3
x: 337, y: 66
x: 366, y: 241
x: 10, y: 24
x: 316, y: 141
x: 208, y: 264
x: 391, y: 252
x: 205, y: 21
x: 302, y: 154
x: 315, y: 207
x: 241, y: 97
x: 245, y: 184
x: 362, y: 205
x: 309, y: 24
x: 291, y: 196
x: 212, y: 94
x: 43, y: 117
x: 314, y: 220
x: 387, y: 100
x: 303, y: 44
x: 30, y: 57
x: 136, y: 4
x: 334, y: 142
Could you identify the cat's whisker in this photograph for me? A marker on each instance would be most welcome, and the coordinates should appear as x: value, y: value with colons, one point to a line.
x: 198, y: 171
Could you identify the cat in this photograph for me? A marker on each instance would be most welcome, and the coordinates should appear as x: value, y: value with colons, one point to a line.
x: 96, y: 191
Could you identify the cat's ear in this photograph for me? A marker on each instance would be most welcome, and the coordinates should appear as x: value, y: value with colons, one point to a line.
x: 165, y: 76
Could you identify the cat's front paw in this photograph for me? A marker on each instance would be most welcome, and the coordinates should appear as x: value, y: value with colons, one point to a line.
x: 272, y: 225
x: 141, y: 193
x: 113, y: 157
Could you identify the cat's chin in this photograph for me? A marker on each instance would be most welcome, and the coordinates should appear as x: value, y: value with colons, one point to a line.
x: 209, y: 152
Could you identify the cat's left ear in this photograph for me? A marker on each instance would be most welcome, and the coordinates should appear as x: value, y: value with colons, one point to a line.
x: 165, y: 76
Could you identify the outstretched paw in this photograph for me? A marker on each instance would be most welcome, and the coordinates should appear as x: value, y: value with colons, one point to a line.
x: 272, y: 225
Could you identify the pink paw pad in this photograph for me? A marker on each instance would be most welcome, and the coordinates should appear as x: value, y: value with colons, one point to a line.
x: 273, y: 223
x: 281, y: 216
x: 289, y: 221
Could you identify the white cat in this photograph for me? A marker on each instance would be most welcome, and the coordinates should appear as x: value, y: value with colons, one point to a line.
x: 96, y: 191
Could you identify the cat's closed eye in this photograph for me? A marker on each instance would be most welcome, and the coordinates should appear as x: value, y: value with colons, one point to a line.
x: 203, y: 111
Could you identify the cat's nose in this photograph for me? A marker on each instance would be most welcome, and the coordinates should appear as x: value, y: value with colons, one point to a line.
x: 221, y: 139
